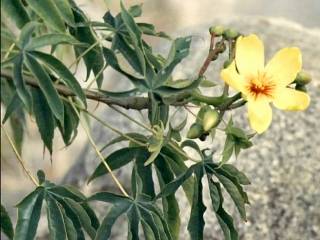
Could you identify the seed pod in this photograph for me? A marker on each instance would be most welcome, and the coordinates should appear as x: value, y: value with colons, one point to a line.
x: 201, y: 113
x: 195, y: 131
x: 303, y: 78
x: 210, y: 119
x: 217, y: 30
x: 230, y: 34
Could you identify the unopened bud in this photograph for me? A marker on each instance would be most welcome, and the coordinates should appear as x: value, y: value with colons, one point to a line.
x: 301, y: 88
x: 303, y: 78
x: 230, y: 34
x: 217, y: 30
x: 195, y: 131
x: 210, y: 119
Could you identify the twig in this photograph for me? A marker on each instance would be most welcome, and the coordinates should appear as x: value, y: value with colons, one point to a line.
x: 22, y: 163
x: 98, y: 152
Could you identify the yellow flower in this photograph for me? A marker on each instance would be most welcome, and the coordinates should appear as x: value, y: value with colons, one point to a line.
x: 261, y: 85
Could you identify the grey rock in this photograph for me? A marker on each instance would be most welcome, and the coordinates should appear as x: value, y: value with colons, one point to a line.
x: 284, y: 163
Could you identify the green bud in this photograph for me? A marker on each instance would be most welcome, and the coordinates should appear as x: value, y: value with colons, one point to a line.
x: 210, y: 119
x: 217, y: 30
x: 195, y: 131
x: 230, y: 34
x: 227, y: 63
x: 301, y: 87
x: 303, y: 78
x: 201, y: 113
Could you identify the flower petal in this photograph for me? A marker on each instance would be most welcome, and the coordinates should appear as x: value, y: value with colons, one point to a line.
x: 249, y: 55
x: 284, y: 66
x: 260, y: 115
x: 232, y: 77
x: 292, y: 100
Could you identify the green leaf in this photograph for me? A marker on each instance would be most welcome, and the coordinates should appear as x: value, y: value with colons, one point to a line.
x: 109, y: 198
x: 46, y: 86
x: 179, y: 50
x: 133, y: 223
x: 227, y: 150
x: 94, y: 59
x: 112, y: 60
x: 177, y: 164
x: 136, y: 136
x: 116, y: 160
x: 192, y: 144
x: 114, y: 212
x: 172, y: 187
x: 83, y: 217
x: 44, y: 118
x: 26, y: 34
x: 170, y: 204
x: 149, y: 29
x: 65, y: 11
x: 63, y: 72
x: 234, y: 172
x: 21, y: 87
x: 207, y: 84
x: 71, y: 232
x: 29, y: 210
x: 224, y: 219
x: 196, y: 221
x: 135, y: 35
x: 145, y: 172
x: 55, y: 219
x: 50, y: 39
x: 49, y: 12
x: 234, y: 193
x: 15, y: 103
x: 6, y: 224
x: 71, y: 121
x: 14, y: 9
x: 135, y: 10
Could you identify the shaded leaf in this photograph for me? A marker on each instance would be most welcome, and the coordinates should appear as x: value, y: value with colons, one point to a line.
x: 49, y: 12
x: 65, y: 11
x: 46, y: 86
x: 63, y: 72
x: 29, y: 210
x: 14, y: 9
x: 50, y: 39
x: 6, y: 224
x: 44, y: 118
x: 116, y: 160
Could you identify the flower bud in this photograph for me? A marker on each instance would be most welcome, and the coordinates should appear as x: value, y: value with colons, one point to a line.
x: 201, y: 113
x: 303, y: 78
x: 216, y: 30
x: 210, y: 119
x: 195, y: 131
x: 300, y: 87
x: 230, y: 34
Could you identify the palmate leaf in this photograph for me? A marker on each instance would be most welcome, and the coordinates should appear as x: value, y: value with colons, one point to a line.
x: 29, y: 210
x: 49, y: 12
x: 94, y: 59
x: 50, y: 39
x: 44, y: 118
x: 67, y: 212
x: 170, y: 204
x: 6, y: 224
x: 149, y: 215
x: 62, y: 71
x: 65, y: 11
x: 196, y: 221
x: 21, y: 87
x: 15, y: 10
x: 46, y: 85
x: 117, y: 160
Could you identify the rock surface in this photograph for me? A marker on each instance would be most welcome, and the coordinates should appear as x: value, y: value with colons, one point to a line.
x: 284, y: 163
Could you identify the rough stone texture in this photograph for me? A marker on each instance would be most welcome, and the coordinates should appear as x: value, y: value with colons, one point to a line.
x: 284, y: 162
